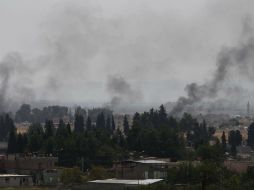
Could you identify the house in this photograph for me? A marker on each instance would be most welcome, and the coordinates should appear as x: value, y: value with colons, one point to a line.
x: 15, y: 180
x: 143, y: 169
x: 50, y: 177
x: 119, y: 120
x: 36, y: 166
x: 238, y: 166
x: 120, y: 184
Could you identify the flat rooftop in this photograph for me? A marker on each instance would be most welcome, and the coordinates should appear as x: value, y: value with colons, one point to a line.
x: 127, y: 181
x: 13, y: 175
x: 150, y: 161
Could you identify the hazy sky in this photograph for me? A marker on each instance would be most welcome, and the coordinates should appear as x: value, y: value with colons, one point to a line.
x: 72, y: 48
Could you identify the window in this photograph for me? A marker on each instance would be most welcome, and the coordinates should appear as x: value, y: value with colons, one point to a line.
x: 146, y: 175
x: 7, y: 180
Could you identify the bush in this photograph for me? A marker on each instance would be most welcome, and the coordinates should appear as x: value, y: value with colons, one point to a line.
x: 71, y: 176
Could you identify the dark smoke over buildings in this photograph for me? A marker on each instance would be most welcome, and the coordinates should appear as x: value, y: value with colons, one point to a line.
x: 239, y: 58
x: 14, y: 81
x: 122, y: 93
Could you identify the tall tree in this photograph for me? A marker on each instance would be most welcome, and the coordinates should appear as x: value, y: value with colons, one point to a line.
x: 108, y: 125
x: 88, y: 124
x: 79, y: 124
x: 251, y: 135
x: 68, y: 126
x: 224, y: 141
x: 238, y: 137
x: 61, y: 130
x: 113, y: 126
x: 24, y: 113
x: 100, y: 121
x: 35, y: 137
x: 126, y: 126
x: 49, y: 127
x: 233, y: 150
x: 232, y: 138
x: 20, y: 143
x: 162, y: 114
x: 12, y: 141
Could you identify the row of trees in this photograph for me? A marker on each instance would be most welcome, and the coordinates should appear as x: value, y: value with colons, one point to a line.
x: 153, y: 133
x: 107, y: 124
x: 36, y: 115
x: 6, y: 125
x: 72, y: 147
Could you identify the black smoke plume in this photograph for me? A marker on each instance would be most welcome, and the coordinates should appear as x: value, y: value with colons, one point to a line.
x: 122, y: 93
x: 240, y: 58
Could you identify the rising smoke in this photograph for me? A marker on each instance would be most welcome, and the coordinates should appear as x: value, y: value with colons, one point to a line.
x: 82, y: 46
x: 239, y: 58
x: 122, y: 93
x: 14, y: 79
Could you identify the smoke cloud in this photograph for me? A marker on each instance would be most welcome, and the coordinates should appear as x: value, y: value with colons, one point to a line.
x: 69, y: 48
x: 239, y: 58
x: 122, y: 93
x: 14, y: 81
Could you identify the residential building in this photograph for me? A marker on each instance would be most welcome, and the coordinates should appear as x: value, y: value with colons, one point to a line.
x: 120, y: 184
x: 15, y: 180
x: 143, y: 169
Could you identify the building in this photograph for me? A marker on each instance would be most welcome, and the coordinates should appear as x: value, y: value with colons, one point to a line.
x: 22, y: 127
x: 15, y: 180
x: 120, y: 184
x: 119, y: 120
x: 238, y: 166
x: 143, y: 169
x: 50, y: 177
x: 36, y: 166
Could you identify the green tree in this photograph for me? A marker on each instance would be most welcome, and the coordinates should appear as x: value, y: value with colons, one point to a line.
x: 232, y: 138
x: 35, y: 137
x: 233, y: 150
x: 89, y: 124
x: 238, y: 137
x: 49, y: 127
x: 24, y: 113
x: 62, y: 130
x: 113, y: 126
x: 12, y: 141
x: 71, y: 176
x: 21, y: 143
x: 108, y: 125
x: 210, y: 153
x: 68, y: 126
x: 126, y: 126
x: 251, y: 135
x: 100, y: 121
x: 224, y: 141
x: 162, y: 114
x: 79, y: 123
x: 187, y: 122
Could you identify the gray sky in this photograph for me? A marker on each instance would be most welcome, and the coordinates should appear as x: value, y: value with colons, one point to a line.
x: 71, y: 48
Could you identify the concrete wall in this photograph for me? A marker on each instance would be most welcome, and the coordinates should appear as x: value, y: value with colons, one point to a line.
x: 132, y: 170
x: 15, y: 181
x: 28, y: 163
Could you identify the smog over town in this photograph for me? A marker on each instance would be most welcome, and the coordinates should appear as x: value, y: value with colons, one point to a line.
x: 120, y: 94
x: 70, y: 52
